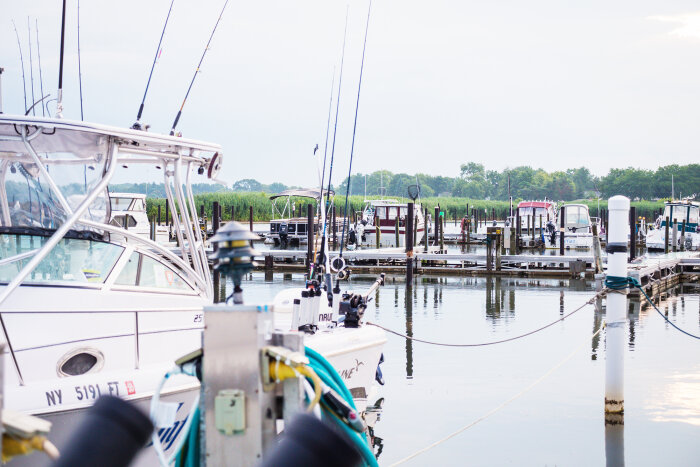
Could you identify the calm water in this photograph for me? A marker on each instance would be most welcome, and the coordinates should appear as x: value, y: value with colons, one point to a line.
x: 431, y: 391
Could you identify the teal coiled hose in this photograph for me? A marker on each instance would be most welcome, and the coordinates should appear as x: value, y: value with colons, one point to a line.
x: 330, y: 377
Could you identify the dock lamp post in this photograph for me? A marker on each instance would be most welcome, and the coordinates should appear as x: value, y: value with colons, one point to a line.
x: 234, y: 255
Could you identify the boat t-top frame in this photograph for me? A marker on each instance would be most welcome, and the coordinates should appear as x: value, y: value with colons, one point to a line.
x: 40, y: 147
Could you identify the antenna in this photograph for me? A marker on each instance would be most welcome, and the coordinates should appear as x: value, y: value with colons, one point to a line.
x: 354, y: 127
x: 31, y: 65
x: 1, y: 70
x: 21, y: 59
x: 177, y: 118
x: 137, y: 125
x: 41, y: 78
x: 59, y: 104
x: 80, y: 71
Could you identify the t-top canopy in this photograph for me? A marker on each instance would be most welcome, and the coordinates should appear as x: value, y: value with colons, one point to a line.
x: 314, y: 193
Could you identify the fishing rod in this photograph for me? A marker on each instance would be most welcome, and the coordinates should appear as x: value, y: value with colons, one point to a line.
x: 59, y: 103
x: 330, y: 172
x: 21, y: 59
x: 323, y: 172
x: 177, y: 118
x: 80, y: 71
x: 354, y: 129
x: 41, y: 78
x: 137, y: 125
x: 31, y: 64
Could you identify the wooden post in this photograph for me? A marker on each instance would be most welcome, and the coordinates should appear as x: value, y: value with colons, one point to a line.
x: 436, y: 223
x: 518, y: 229
x: 633, y: 233
x: 666, y: 239
x: 377, y: 228
x: 167, y: 212
x: 674, y: 234
x: 442, y: 234
x: 215, y: 227
x: 409, y: 245
x: 415, y: 227
x: 597, y: 252
x: 159, y: 214
x: 499, y: 236
x: 233, y: 213
x: 469, y: 228
x: 425, y: 236
x: 562, y: 228
x: 683, y: 236
x: 309, y: 235
x: 396, y: 229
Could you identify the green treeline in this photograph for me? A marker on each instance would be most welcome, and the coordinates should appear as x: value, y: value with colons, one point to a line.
x: 474, y: 181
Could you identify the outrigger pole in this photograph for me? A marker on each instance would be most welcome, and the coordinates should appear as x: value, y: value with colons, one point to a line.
x: 179, y: 113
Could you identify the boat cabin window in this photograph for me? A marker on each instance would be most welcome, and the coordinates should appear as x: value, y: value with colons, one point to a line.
x: 144, y: 271
x: 71, y: 260
x: 576, y: 216
x: 694, y: 214
x: 137, y: 205
x: 120, y: 204
x: 381, y: 212
x: 121, y: 221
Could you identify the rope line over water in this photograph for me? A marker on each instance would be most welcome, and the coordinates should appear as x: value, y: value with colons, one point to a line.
x: 445, y: 344
x: 504, y: 404
x: 616, y: 283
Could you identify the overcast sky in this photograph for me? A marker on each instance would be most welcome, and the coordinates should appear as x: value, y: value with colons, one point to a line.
x: 550, y: 84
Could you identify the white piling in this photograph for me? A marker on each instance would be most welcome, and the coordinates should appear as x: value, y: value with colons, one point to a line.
x: 616, y: 312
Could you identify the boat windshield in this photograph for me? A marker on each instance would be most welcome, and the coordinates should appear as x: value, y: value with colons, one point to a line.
x: 71, y: 260
x: 126, y: 204
x: 682, y: 212
x: 577, y: 216
x: 74, y: 160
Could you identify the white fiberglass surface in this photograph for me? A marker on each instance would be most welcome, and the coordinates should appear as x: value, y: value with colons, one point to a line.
x: 431, y: 392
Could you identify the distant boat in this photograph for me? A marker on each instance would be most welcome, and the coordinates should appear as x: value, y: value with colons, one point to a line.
x: 285, y: 229
x: 381, y: 214
x: 677, y: 212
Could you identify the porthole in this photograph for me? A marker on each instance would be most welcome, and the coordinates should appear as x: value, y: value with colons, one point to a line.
x: 80, y: 361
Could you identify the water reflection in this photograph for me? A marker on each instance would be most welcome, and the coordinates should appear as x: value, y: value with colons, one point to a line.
x: 408, y: 303
x: 614, y: 440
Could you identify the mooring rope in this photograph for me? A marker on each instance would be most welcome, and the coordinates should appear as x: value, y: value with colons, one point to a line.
x: 444, y: 344
x: 616, y: 283
x: 504, y: 404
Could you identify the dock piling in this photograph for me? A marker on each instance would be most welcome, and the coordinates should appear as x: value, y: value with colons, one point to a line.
x: 674, y: 234
x: 409, y: 245
x: 633, y: 233
x: 562, y: 228
x: 618, y: 208
x: 666, y: 242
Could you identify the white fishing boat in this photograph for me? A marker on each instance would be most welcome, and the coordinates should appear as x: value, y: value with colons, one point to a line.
x: 536, y: 221
x: 677, y: 212
x: 578, y: 231
x: 382, y: 214
x: 89, y: 307
x: 354, y: 350
x: 128, y: 210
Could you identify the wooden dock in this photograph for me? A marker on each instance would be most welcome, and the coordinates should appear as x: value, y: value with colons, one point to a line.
x: 651, y: 272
